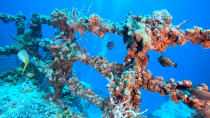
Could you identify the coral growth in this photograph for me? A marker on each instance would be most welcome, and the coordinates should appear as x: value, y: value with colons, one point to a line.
x: 140, y: 34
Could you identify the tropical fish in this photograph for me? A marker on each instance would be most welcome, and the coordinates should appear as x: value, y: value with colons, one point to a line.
x: 23, y: 56
x: 165, y: 61
x: 19, y: 69
x: 30, y: 75
x: 110, y: 45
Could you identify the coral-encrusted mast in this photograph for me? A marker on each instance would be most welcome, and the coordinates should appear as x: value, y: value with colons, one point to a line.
x: 19, y: 20
x: 27, y: 39
x: 140, y: 34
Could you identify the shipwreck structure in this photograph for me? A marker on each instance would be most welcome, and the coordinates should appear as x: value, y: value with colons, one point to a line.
x: 140, y: 34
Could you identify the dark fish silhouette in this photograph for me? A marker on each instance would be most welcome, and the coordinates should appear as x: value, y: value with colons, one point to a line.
x: 110, y: 45
x: 165, y: 61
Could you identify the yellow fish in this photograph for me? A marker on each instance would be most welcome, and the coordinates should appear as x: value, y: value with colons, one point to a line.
x: 23, y: 56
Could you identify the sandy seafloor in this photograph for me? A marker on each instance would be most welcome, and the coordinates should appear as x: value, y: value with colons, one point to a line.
x: 25, y: 100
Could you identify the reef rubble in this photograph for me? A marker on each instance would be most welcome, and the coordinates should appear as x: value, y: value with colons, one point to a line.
x: 140, y: 34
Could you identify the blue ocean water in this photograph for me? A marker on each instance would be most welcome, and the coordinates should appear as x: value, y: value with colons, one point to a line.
x: 193, y: 60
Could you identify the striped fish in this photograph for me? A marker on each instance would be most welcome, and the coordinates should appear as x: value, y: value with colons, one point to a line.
x: 165, y: 61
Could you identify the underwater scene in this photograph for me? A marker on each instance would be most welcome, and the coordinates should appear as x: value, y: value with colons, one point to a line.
x: 104, y: 59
